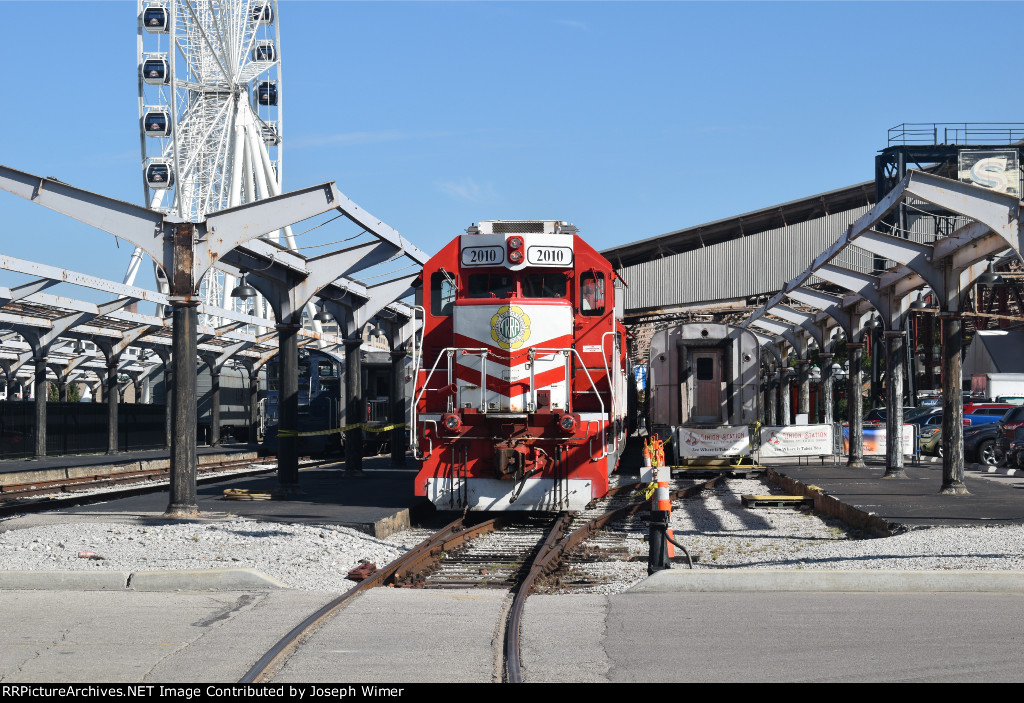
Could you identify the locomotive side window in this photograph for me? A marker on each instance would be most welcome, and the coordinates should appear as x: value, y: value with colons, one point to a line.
x: 544, y: 285
x: 592, y: 293
x: 490, y: 285
x: 442, y: 294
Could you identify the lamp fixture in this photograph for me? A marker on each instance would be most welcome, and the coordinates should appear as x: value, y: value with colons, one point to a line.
x: 243, y: 290
x: 990, y: 277
x: 322, y: 315
x: 919, y: 304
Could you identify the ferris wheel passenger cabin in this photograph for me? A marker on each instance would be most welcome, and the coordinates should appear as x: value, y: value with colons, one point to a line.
x: 156, y: 71
x: 157, y: 123
x: 156, y: 19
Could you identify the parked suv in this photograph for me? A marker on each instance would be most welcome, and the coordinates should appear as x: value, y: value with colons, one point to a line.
x: 1008, y: 426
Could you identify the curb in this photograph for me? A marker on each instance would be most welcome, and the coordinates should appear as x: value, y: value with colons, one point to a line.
x: 1002, y: 470
x: 173, y: 580
x: 833, y: 507
x: 860, y: 581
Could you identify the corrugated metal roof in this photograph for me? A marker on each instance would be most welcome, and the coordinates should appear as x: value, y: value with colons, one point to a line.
x: 776, y: 216
x: 752, y: 265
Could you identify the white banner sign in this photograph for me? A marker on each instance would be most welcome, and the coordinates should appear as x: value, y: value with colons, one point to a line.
x: 796, y: 440
x: 712, y: 441
x: 874, y: 440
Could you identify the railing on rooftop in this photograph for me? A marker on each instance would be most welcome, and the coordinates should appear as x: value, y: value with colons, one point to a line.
x: 956, y: 133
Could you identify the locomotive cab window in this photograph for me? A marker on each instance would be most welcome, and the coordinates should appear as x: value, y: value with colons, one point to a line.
x: 442, y: 294
x: 490, y: 285
x: 544, y: 285
x: 591, y: 300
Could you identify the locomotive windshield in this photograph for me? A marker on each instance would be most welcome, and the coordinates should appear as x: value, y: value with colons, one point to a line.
x: 549, y: 284
x: 490, y: 285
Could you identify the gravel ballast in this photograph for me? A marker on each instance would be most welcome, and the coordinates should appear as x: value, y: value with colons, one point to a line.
x: 717, y: 530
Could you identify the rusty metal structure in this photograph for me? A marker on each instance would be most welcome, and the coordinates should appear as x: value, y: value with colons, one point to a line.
x: 229, y: 240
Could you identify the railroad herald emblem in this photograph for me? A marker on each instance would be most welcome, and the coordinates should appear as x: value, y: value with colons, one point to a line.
x: 510, y: 327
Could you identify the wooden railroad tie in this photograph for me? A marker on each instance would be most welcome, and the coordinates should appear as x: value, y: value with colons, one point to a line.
x: 752, y: 501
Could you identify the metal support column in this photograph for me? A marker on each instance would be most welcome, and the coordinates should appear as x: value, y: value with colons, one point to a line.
x: 112, y: 398
x: 855, y: 407
x: 398, y: 355
x: 876, y: 354
x: 288, y: 411
x: 826, y: 387
x: 952, y: 408
x: 40, y: 405
x: 214, y: 407
x: 894, y: 403
x: 353, y: 403
x: 184, y: 457
x: 168, y: 401
x: 254, y: 399
x: 785, y: 395
x: 803, y: 398
x: 773, y: 394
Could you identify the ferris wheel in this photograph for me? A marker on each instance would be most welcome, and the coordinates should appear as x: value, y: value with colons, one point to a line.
x: 210, y: 115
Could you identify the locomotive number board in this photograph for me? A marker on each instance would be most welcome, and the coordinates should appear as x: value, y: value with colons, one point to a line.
x: 549, y: 256
x: 483, y: 256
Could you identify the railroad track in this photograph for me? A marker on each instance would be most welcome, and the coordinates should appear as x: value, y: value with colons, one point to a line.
x: 18, y: 498
x: 508, y: 552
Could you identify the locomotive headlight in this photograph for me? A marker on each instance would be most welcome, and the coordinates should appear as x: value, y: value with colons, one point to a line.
x: 514, y: 246
x: 452, y: 422
x: 567, y: 423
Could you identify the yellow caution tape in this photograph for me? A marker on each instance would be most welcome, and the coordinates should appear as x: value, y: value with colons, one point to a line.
x: 345, y: 428
x: 648, y: 491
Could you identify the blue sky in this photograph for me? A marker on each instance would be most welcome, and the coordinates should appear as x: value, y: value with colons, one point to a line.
x: 629, y: 119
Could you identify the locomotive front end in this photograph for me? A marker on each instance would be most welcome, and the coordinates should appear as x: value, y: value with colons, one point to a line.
x: 500, y: 424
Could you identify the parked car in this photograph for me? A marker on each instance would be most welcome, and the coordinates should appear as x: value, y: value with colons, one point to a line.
x: 988, y: 408
x: 980, y: 444
x: 879, y: 414
x: 930, y: 438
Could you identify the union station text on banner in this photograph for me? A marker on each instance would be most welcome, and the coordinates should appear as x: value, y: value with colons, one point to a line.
x: 712, y: 441
x: 796, y: 440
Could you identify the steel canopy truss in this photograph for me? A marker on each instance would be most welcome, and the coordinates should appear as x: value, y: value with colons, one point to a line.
x: 949, y: 267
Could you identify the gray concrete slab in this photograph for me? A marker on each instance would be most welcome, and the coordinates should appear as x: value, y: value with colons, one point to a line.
x: 129, y: 636
x: 406, y: 635
x: 562, y: 638
x: 823, y: 581
x: 797, y: 637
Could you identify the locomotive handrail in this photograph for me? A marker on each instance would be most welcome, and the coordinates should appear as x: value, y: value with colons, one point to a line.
x: 449, y: 353
x: 414, y: 428
x: 612, y: 375
x: 567, y: 351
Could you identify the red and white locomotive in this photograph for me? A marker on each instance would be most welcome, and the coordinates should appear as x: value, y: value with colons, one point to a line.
x: 520, y: 397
